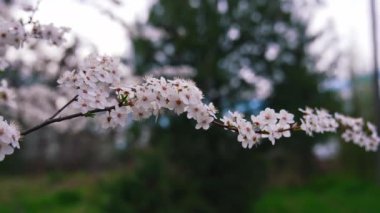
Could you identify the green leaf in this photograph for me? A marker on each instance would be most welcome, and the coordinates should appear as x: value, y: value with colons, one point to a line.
x: 89, y: 115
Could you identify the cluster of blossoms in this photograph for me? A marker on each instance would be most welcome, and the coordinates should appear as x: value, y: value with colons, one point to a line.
x: 98, y: 86
x: 358, y: 132
x: 54, y: 35
x: 15, y: 33
x: 12, y: 33
x: 272, y: 125
x: 354, y: 129
x: 91, y: 82
x: 318, y: 121
x: 267, y: 124
x: 154, y: 95
x: 9, y: 137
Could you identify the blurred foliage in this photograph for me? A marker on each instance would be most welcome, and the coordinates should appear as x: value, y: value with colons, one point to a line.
x: 152, y: 187
x: 158, y: 185
x: 218, y: 38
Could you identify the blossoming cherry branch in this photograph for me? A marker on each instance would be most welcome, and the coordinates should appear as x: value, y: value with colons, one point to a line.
x: 101, y: 91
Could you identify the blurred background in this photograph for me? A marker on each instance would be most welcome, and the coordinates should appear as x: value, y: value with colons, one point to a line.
x: 245, y: 55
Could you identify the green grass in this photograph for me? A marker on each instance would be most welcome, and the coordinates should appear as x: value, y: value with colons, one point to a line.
x: 83, y: 192
x: 329, y: 194
x: 50, y: 193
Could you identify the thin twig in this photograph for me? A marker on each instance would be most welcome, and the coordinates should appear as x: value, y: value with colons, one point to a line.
x: 62, y: 108
x: 34, y: 11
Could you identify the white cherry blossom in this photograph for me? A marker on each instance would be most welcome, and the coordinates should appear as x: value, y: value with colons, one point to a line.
x: 268, y: 116
x: 285, y: 117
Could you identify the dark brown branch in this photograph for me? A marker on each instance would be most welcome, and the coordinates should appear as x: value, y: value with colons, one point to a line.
x: 68, y: 117
x: 294, y: 127
x: 89, y: 113
x: 220, y: 124
x: 64, y: 107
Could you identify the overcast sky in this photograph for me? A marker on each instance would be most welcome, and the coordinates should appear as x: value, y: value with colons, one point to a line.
x: 350, y: 19
x: 88, y: 22
x: 352, y: 24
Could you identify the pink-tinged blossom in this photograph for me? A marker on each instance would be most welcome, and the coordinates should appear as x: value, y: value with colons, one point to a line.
x: 9, y: 138
x: 268, y: 116
x: 7, y: 95
x: 204, y: 122
x: 285, y: 117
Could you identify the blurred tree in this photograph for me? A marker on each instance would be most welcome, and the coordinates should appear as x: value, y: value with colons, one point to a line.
x: 219, y: 38
x: 375, y: 76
